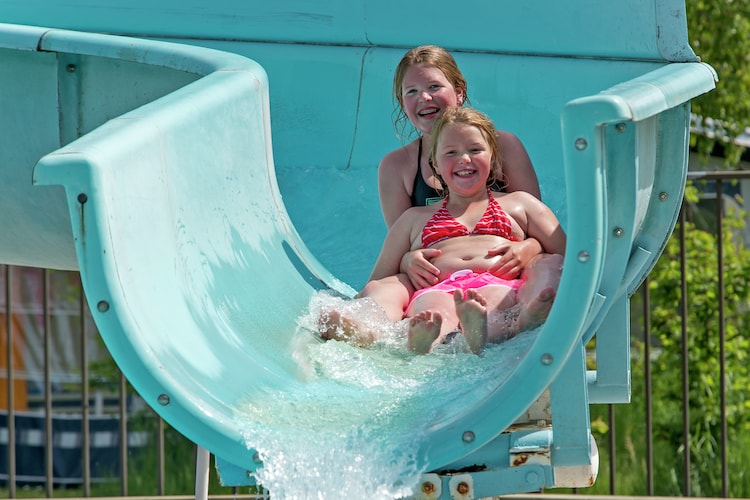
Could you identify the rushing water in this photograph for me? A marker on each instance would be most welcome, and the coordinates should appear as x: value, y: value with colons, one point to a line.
x: 352, y: 428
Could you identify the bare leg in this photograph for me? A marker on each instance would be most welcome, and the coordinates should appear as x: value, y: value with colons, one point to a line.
x: 391, y: 293
x: 472, y: 314
x: 534, y: 300
x: 543, y: 272
x: 359, y: 322
x: 427, y: 311
x: 535, y: 312
x: 424, y: 331
x: 381, y: 300
x: 332, y: 326
x: 536, y: 296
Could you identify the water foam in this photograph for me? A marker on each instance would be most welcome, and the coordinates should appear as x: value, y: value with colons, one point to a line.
x: 353, y: 426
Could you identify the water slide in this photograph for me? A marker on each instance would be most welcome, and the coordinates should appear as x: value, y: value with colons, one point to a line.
x: 212, y: 170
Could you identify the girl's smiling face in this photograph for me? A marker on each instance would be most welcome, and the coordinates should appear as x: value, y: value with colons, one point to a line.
x: 463, y: 158
x: 425, y: 93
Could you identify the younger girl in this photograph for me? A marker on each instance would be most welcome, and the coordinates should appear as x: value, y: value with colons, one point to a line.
x: 469, y: 297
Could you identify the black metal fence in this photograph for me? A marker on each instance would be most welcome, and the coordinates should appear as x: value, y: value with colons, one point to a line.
x: 718, y: 196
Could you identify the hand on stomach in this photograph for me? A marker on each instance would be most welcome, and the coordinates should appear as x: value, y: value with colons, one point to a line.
x: 466, y: 252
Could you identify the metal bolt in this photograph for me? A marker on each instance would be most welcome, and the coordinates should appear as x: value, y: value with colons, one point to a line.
x: 532, y: 477
x: 583, y: 256
x: 102, y: 306
x: 163, y: 399
x: 618, y: 232
x: 468, y: 437
x: 581, y: 144
x: 82, y: 198
x: 547, y: 359
x: 663, y: 196
x: 70, y: 68
x: 621, y: 127
x: 428, y: 488
x: 463, y: 488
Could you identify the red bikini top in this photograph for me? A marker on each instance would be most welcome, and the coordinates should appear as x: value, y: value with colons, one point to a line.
x: 442, y: 225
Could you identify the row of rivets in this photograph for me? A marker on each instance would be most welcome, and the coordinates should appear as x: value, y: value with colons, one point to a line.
x: 103, y: 305
x: 547, y: 359
x: 581, y: 144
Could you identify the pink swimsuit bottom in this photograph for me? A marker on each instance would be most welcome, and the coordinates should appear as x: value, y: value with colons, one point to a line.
x: 466, y: 279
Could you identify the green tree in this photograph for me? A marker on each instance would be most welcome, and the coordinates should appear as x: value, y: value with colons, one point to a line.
x: 719, y: 33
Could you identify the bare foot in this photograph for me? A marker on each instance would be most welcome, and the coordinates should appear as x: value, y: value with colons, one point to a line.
x: 333, y: 326
x: 472, y: 313
x: 536, y: 311
x: 424, y: 329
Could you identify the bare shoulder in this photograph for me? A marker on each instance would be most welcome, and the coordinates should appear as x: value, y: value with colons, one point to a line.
x: 415, y: 218
x: 506, y: 135
x: 518, y: 202
x: 396, y: 160
x: 421, y: 213
x: 516, y: 197
x: 512, y: 149
x: 507, y: 139
x: 517, y: 167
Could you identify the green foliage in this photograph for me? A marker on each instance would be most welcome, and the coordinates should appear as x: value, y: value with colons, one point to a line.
x: 719, y: 33
x: 703, y: 324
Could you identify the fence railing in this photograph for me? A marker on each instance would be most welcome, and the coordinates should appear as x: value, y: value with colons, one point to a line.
x: 69, y: 420
x: 719, y: 196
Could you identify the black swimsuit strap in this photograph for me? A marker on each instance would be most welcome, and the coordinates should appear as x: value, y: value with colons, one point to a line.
x: 421, y: 191
x: 419, y: 157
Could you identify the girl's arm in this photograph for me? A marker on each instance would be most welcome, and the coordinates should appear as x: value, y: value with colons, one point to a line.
x: 542, y: 224
x: 394, y: 198
x: 517, y: 167
x: 397, y: 243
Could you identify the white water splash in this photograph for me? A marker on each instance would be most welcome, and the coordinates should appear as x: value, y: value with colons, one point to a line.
x: 353, y: 426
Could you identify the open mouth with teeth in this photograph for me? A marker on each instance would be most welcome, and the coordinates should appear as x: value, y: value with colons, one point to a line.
x: 466, y: 172
x: 429, y: 112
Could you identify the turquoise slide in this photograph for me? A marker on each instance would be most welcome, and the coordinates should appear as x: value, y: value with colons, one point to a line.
x: 211, y: 168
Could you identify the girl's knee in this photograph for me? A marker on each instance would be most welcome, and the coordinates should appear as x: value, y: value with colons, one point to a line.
x: 554, y: 260
x: 398, y: 285
x: 548, y: 261
x: 371, y: 288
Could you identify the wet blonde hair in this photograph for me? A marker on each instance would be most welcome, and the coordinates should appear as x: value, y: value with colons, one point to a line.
x: 473, y: 118
x: 431, y: 55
